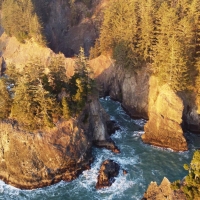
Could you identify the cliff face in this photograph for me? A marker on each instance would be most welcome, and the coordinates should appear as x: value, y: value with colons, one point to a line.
x: 191, y: 112
x: 127, y: 86
x: 32, y: 160
x: 165, y: 117
x: 70, y: 27
x: 141, y: 96
x: 36, y: 160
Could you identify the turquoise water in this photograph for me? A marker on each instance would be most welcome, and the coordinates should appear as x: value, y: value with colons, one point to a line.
x: 144, y: 164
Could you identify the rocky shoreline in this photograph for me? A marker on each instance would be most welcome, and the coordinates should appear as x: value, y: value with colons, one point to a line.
x: 42, y: 158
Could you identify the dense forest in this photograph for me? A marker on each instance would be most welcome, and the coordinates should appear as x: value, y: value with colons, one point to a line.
x: 163, y: 35
x: 26, y: 19
x: 38, y: 96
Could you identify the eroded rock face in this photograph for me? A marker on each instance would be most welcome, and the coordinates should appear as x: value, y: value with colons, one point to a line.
x: 191, y: 112
x: 165, y: 117
x: 127, y: 86
x: 99, y: 121
x: 32, y: 160
x: 109, y: 169
x: 69, y: 29
x: 162, y: 192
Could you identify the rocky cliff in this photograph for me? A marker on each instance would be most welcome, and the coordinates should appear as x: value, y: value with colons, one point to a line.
x: 68, y: 27
x: 31, y: 160
x: 130, y: 87
x: 165, y: 117
x: 141, y: 96
x: 191, y: 112
x: 37, y: 159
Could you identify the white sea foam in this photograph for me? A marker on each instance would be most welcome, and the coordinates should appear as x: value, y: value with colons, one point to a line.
x: 117, y: 135
x: 118, y: 187
x: 140, y: 122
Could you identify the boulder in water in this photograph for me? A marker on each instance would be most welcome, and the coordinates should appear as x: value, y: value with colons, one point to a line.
x: 109, y: 169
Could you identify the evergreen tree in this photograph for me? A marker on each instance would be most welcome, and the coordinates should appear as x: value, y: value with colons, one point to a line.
x: 65, y: 108
x: 20, y: 20
x: 120, y: 24
x: 81, y: 84
x: 56, y: 78
x: 33, y: 106
x: 23, y: 109
x: 192, y: 180
x: 170, y: 58
x: 5, y: 99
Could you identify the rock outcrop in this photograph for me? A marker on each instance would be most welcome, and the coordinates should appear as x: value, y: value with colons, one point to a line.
x: 130, y: 87
x: 165, y: 117
x: 141, y: 96
x: 41, y: 158
x: 32, y: 160
x: 162, y: 192
x: 109, y: 169
x: 15, y: 53
x: 99, y: 121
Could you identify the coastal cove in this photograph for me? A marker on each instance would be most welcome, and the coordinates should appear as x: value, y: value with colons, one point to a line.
x: 143, y: 162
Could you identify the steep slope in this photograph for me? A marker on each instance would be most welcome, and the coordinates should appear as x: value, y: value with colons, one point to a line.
x: 141, y: 96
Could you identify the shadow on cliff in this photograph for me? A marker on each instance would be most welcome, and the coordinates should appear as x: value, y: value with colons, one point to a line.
x: 130, y: 87
x: 66, y: 27
x: 191, y: 117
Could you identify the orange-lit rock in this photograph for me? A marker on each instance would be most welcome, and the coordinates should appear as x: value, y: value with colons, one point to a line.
x: 32, y: 160
x: 163, y: 191
x: 165, y: 117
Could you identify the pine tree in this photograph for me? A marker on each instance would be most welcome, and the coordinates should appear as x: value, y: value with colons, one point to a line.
x: 147, y: 12
x: 119, y: 24
x: 45, y: 106
x: 5, y: 100
x: 23, y: 109
x: 65, y: 108
x: 56, y: 78
x: 20, y: 20
x: 81, y: 84
x: 192, y: 180
x: 170, y: 62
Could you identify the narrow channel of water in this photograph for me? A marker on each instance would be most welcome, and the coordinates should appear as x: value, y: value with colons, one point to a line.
x: 144, y: 164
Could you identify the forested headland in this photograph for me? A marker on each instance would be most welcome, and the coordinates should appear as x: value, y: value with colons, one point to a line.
x: 37, y: 96
x: 164, y: 35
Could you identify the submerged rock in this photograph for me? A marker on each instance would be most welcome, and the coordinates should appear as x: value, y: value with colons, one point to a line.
x: 109, y: 169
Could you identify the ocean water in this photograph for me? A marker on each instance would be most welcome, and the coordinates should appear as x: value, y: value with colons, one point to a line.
x: 144, y: 164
